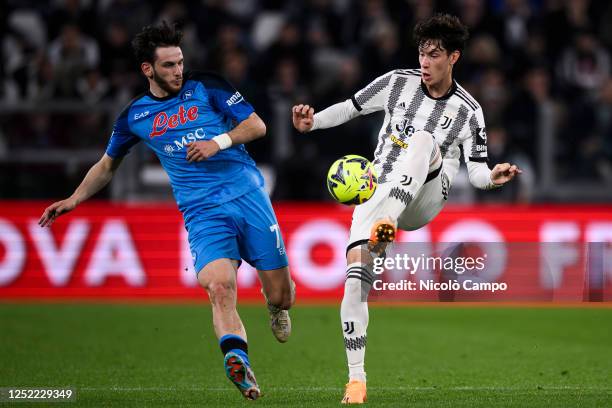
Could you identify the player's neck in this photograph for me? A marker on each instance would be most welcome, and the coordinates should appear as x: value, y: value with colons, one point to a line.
x: 441, y: 88
x: 157, y: 91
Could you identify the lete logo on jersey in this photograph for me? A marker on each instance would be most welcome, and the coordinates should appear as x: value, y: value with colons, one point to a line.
x: 162, y: 121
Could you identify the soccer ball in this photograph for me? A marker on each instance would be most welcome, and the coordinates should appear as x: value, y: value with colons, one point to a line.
x: 351, y: 180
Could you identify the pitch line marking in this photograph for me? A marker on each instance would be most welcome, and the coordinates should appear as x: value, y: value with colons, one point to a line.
x: 315, y: 389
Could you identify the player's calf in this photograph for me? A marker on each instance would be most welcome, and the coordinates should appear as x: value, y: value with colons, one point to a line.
x: 280, y: 322
x: 279, y: 291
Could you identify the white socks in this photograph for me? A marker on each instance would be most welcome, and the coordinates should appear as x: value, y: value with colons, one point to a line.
x: 354, y: 315
x: 403, y: 183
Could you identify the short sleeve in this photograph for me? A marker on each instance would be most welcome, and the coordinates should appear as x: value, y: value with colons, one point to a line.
x: 224, y: 97
x: 122, y: 139
x: 374, y: 96
x: 475, y: 143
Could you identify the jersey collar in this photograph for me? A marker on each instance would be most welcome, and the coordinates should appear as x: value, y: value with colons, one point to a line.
x: 165, y: 98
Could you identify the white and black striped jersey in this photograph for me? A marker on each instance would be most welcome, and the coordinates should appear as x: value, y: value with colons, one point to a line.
x: 454, y: 120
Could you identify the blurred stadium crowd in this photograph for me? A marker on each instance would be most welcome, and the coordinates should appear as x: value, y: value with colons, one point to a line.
x: 541, y: 70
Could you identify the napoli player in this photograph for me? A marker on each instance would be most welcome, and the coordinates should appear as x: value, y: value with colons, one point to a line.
x: 197, y: 124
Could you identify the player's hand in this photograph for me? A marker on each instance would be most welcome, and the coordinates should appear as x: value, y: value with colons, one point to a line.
x: 303, y: 117
x: 202, y: 150
x: 55, y: 210
x: 504, y: 172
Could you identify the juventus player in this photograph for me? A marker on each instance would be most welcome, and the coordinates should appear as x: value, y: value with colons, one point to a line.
x: 428, y: 116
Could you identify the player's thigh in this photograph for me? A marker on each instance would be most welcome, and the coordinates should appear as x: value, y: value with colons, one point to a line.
x: 426, y: 205
x: 212, y: 236
x: 260, y: 239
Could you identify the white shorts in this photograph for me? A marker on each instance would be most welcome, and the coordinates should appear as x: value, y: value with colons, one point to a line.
x: 422, y: 209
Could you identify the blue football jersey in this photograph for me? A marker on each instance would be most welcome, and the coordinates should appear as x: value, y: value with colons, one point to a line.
x: 206, y: 106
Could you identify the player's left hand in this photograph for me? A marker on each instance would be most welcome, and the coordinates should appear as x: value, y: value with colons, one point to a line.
x: 504, y: 172
x: 201, y: 150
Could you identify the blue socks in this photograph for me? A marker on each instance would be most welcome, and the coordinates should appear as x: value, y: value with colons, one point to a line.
x: 235, y: 344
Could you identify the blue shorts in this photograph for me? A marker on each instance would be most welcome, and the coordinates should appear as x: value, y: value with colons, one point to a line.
x: 243, y: 228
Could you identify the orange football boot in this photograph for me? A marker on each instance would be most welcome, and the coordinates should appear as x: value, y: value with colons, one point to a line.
x: 355, y: 393
x: 383, y: 232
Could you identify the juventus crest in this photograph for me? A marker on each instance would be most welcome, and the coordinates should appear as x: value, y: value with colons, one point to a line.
x: 446, y: 122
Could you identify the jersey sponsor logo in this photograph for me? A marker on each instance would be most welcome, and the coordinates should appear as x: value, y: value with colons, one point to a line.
x: 234, y: 99
x: 482, y: 135
x: 141, y: 115
x: 404, y: 128
x: 398, y: 142
x: 190, y: 137
x: 163, y: 121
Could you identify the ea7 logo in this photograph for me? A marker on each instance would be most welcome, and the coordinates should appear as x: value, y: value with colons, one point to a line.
x: 234, y: 99
x: 141, y: 115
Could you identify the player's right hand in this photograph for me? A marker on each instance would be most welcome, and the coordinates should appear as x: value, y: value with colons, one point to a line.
x: 303, y: 117
x: 55, y: 210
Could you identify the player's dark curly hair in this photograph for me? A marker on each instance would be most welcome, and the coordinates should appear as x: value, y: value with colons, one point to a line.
x: 445, y: 29
x: 153, y: 36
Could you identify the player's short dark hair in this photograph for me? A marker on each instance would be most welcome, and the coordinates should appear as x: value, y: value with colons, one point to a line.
x: 446, y: 30
x: 152, y: 36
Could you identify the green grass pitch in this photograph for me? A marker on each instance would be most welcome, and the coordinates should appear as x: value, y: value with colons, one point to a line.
x: 121, y: 355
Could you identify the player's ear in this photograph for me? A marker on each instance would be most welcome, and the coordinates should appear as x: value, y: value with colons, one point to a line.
x: 454, y: 57
x: 147, y: 69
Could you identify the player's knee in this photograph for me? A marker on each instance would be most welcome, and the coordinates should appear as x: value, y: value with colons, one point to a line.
x: 422, y: 136
x: 360, y: 254
x: 220, y: 289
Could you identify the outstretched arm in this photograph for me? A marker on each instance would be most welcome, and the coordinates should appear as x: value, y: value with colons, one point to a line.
x: 246, y: 131
x: 96, y: 178
x: 304, y: 119
x: 483, y: 178
x: 372, y: 98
